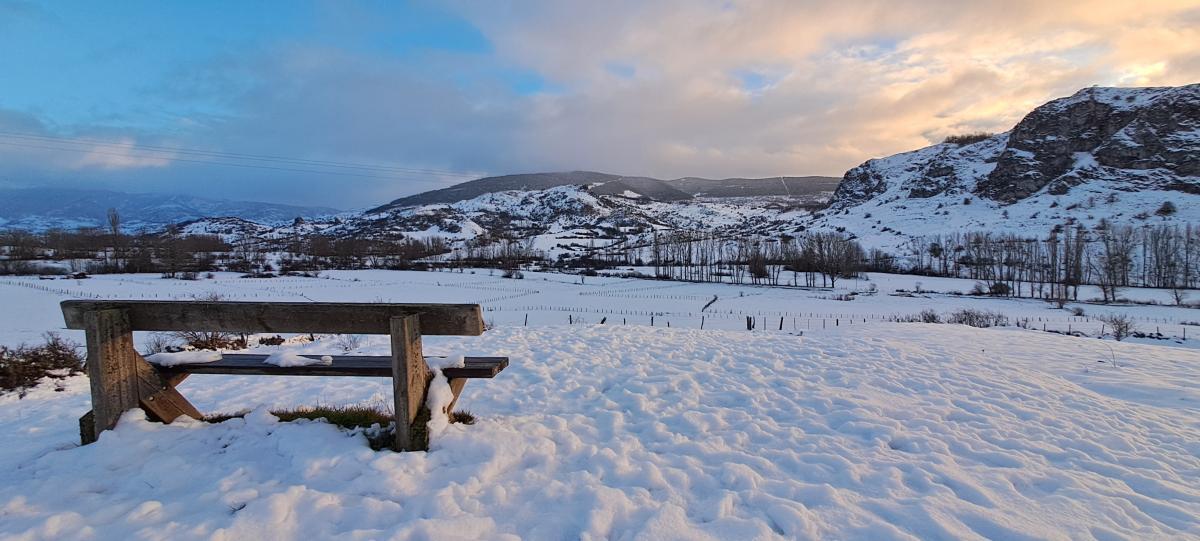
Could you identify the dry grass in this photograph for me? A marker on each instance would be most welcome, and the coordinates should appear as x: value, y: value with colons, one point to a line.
x: 375, y: 421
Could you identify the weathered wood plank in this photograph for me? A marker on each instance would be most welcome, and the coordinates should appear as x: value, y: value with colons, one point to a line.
x: 87, y: 428
x: 111, y: 367
x: 158, y: 397
x: 155, y: 394
x: 342, y: 365
x: 282, y: 317
x: 410, y: 380
x: 456, y: 386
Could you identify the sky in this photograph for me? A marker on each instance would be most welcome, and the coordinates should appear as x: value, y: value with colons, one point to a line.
x: 352, y: 104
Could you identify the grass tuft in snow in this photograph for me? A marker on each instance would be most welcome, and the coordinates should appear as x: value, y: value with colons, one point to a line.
x: 377, y: 420
x: 352, y: 416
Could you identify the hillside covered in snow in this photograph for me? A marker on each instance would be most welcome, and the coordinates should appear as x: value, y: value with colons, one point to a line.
x: 1114, y: 154
x: 679, y: 189
x: 1128, y: 156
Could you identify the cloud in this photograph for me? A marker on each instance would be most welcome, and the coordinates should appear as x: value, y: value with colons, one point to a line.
x: 863, y: 78
x: 671, y: 88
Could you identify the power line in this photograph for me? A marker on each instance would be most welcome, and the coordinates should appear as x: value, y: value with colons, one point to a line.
x: 208, y: 162
x: 233, y: 155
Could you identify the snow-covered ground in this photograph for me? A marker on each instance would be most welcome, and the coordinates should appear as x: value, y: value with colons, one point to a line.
x: 870, y: 430
x: 552, y: 299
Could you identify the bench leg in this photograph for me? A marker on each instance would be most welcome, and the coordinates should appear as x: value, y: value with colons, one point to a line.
x: 157, y: 394
x: 122, y: 380
x: 410, y: 382
x: 111, y: 369
x: 163, y: 405
x: 456, y: 386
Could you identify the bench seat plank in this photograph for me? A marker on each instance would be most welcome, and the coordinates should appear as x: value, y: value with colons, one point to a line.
x: 342, y: 365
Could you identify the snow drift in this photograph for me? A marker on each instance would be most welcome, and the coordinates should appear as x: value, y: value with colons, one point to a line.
x: 900, y: 431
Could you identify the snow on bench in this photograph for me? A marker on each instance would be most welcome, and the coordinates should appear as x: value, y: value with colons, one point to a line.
x: 122, y: 380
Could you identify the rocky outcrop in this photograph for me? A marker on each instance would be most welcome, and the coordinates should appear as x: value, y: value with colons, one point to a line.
x: 943, y: 169
x: 1141, y: 137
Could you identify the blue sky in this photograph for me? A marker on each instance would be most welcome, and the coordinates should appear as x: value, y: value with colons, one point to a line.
x: 118, y: 63
x: 426, y: 94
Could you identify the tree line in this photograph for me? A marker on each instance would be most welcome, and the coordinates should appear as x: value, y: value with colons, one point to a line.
x: 1109, y: 256
x: 1053, y: 266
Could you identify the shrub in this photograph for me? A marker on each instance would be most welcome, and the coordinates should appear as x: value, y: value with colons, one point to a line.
x: 349, y: 342
x: 514, y: 274
x: 270, y: 340
x: 1167, y: 209
x: 22, y: 367
x: 1000, y: 289
x: 1077, y: 311
x: 929, y: 316
x: 978, y: 318
x: 213, y: 340
x: 1121, y: 325
x: 161, y: 342
x: 967, y: 138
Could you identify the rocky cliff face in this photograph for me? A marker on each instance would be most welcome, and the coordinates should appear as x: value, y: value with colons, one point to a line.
x: 1142, y: 138
x: 943, y: 169
x: 1132, y: 139
x: 1115, y: 155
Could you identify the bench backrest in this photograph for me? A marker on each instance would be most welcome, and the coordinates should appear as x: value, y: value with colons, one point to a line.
x: 282, y: 317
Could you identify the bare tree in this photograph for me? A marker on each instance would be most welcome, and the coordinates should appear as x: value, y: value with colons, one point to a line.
x: 114, y: 230
x: 835, y: 255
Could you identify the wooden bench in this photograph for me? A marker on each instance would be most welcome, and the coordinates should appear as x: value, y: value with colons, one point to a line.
x: 122, y: 380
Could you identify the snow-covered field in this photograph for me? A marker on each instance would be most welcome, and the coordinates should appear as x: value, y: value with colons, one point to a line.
x: 863, y: 430
x: 552, y: 299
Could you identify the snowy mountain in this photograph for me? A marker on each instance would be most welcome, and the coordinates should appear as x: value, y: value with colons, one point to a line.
x: 607, y: 184
x: 39, y: 209
x: 1125, y: 155
x: 1116, y: 154
x: 555, y: 220
x: 563, y: 218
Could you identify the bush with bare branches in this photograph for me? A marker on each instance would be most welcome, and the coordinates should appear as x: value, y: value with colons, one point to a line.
x: 1121, y: 326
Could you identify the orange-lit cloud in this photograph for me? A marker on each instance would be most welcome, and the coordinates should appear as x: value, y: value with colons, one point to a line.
x: 849, y: 80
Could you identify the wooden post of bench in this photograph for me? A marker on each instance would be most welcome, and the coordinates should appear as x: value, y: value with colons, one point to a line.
x: 121, y: 379
x: 111, y: 368
x: 410, y: 382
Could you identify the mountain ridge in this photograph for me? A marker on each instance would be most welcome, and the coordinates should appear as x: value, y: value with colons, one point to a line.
x: 40, y: 209
x: 610, y: 184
